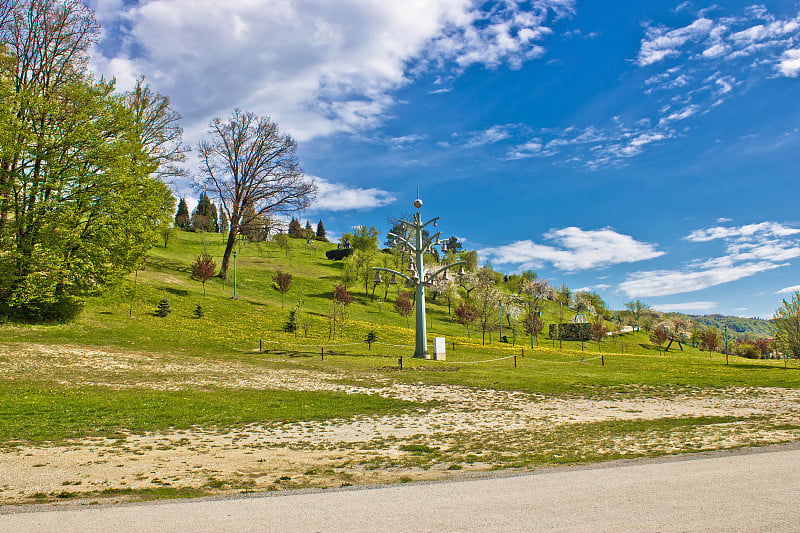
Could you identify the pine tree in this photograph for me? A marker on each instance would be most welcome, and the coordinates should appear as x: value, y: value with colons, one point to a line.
x: 321, y: 232
x: 308, y: 231
x: 198, y: 311
x: 182, y: 216
x: 204, y: 217
x: 295, y: 229
x: 163, y: 308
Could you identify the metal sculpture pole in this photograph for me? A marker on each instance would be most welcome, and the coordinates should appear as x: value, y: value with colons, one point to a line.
x: 419, y: 276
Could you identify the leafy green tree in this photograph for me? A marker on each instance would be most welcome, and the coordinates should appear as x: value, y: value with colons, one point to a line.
x: 81, y: 201
x: 182, y: 219
x: 786, y: 326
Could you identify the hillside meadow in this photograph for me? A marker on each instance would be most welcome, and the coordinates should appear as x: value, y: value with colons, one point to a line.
x: 230, y: 402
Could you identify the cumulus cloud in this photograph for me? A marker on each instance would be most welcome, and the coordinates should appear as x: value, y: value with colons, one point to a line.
x: 747, y: 231
x: 340, y: 197
x: 317, y: 67
x: 789, y: 64
x: 576, y: 249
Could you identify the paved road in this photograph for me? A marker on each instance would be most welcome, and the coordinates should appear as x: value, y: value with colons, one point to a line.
x: 750, y: 491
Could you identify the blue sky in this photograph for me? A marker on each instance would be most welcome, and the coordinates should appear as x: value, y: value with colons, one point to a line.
x: 639, y: 149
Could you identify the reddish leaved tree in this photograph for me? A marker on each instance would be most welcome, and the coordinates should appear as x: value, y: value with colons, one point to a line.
x: 283, y: 282
x: 341, y: 299
x: 708, y: 339
x: 533, y: 324
x: 658, y: 337
x: 403, y: 305
x: 598, y: 332
x: 466, y: 314
x: 203, y: 269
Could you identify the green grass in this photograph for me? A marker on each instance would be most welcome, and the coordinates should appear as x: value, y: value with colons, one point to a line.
x: 36, y: 412
x: 47, y: 408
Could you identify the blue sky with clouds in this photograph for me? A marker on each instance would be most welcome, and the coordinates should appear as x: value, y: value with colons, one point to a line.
x: 639, y: 149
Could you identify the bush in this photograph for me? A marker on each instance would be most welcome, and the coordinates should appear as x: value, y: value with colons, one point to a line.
x: 61, y: 309
x: 198, y: 311
x: 747, y: 350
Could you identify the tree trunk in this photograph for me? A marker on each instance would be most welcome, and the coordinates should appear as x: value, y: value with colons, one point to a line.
x: 223, y: 270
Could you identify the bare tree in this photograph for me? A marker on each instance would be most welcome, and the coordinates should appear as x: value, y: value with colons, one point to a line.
x: 159, y: 129
x: 249, y: 163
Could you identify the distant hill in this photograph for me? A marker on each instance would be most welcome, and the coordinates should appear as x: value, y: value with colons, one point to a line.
x: 750, y: 327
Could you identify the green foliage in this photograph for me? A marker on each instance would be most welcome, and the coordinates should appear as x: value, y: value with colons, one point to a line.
x: 746, y: 349
x: 82, y: 201
x: 321, y: 232
x: 371, y: 337
x: 198, y: 311
x: 749, y: 327
x: 290, y: 326
x: 295, y: 229
x: 164, y: 308
x: 204, y: 217
x: 182, y: 219
x: 786, y: 325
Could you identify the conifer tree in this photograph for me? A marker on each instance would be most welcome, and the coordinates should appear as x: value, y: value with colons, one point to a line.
x: 182, y: 216
x: 223, y: 220
x: 295, y: 229
x: 204, y: 217
x: 321, y: 232
x: 309, y: 231
x: 163, y: 308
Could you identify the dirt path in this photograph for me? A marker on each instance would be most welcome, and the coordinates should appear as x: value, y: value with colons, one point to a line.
x: 468, y: 429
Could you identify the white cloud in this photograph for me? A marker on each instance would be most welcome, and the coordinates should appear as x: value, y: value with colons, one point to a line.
x: 687, y: 307
x: 341, y: 197
x: 749, y: 250
x: 789, y: 64
x: 667, y: 282
x: 317, y: 67
x: 661, y: 42
x: 576, y: 249
x: 747, y: 231
x: 788, y: 290
x: 492, y: 135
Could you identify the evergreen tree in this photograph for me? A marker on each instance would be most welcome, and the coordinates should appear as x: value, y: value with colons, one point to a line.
x: 309, y: 231
x: 204, y: 217
x: 198, y: 311
x: 163, y: 308
x: 321, y: 232
x: 182, y: 216
x: 295, y: 229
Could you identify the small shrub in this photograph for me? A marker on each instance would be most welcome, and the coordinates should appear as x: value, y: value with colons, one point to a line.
x: 291, y: 325
x: 163, y: 308
x: 198, y: 311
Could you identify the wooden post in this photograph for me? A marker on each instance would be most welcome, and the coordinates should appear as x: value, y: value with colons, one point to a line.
x: 401, y: 362
x: 322, y: 353
x: 602, y: 361
x: 515, y: 361
x: 260, y: 349
x: 523, y: 353
x: 454, y: 346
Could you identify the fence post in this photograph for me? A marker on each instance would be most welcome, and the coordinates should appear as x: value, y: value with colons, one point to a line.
x: 260, y: 349
x: 523, y: 353
x: 322, y: 352
x: 515, y: 361
x: 401, y: 362
x: 454, y: 346
x: 602, y: 361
